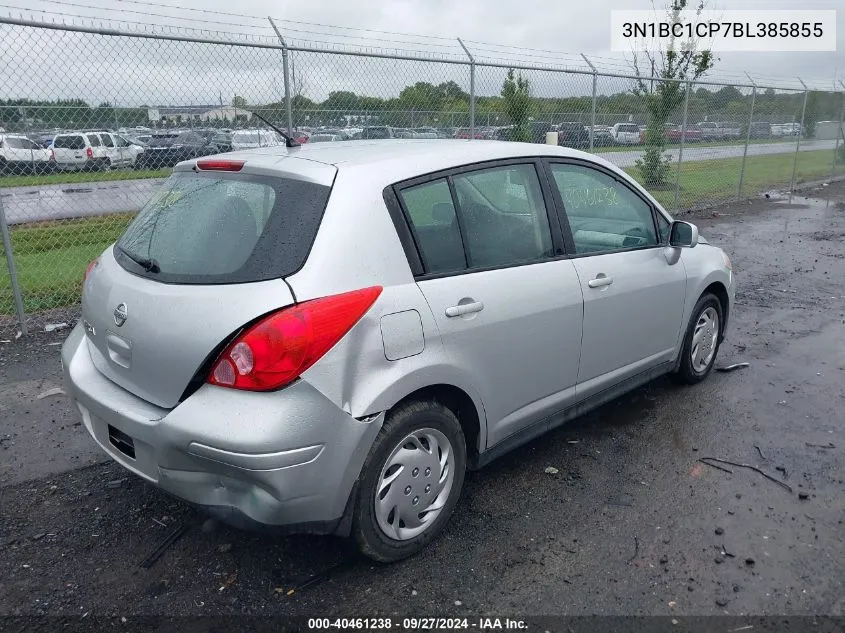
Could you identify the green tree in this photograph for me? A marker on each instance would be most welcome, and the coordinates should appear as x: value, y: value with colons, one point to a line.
x: 517, y: 101
x: 811, y: 115
x: 341, y: 100
x: 452, y: 92
x: 239, y: 102
x: 678, y: 64
x: 421, y: 96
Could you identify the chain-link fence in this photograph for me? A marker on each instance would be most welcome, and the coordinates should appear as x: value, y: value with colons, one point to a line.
x: 92, y: 119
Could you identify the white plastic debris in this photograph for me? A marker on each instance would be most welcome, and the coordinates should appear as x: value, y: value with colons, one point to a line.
x: 551, y: 470
x: 52, y: 327
x: 55, y: 391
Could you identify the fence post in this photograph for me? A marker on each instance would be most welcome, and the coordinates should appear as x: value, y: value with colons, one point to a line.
x: 13, y: 273
x: 471, y: 90
x: 798, y: 142
x: 285, y: 70
x: 593, y: 113
x: 747, y: 136
x: 838, y: 134
x: 681, y: 149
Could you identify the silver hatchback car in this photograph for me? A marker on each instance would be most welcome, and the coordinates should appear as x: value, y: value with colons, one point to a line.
x: 324, y: 339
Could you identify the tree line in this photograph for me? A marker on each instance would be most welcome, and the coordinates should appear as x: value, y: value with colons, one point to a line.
x: 444, y: 104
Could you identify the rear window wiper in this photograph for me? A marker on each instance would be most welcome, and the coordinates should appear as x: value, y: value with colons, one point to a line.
x: 150, y: 265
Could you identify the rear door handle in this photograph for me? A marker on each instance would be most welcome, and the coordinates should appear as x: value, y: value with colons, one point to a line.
x: 600, y: 281
x: 464, y: 308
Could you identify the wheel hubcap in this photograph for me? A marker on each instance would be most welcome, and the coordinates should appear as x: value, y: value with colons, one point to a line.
x: 414, y: 485
x: 705, y: 339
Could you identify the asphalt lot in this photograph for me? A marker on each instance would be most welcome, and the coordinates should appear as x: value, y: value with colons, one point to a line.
x: 631, y: 524
x: 55, y: 202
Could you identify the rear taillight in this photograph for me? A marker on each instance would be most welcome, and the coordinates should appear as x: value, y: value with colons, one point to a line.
x: 276, y: 350
x: 89, y: 152
x: 53, y: 156
x: 89, y: 268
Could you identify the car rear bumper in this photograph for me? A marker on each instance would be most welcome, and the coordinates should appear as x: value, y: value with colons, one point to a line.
x: 287, y: 458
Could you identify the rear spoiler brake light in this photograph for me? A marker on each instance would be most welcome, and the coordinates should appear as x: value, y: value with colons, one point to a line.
x: 220, y: 165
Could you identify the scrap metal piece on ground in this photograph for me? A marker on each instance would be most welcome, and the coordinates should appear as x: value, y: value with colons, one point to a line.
x: 707, y: 460
x: 733, y: 367
x: 168, y: 540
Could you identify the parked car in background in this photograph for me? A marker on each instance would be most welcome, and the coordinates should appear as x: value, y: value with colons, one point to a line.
x: 731, y: 129
x: 786, y: 129
x: 20, y: 155
x: 127, y: 151
x: 300, y: 136
x: 760, y: 129
x: 323, y: 137
x: 377, y: 132
x: 75, y: 151
x: 44, y: 140
x: 626, y: 133
x: 573, y: 135
x: 602, y: 135
x: 222, y: 142
x: 252, y: 139
x: 710, y: 131
x: 505, y: 133
x: 167, y: 150
x: 425, y: 132
x: 674, y: 133
x: 467, y: 133
x: 327, y: 339
x: 539, y: 129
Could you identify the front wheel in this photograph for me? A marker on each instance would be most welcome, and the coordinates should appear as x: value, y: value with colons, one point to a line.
x: 701, y: 341
x: 410, y: 482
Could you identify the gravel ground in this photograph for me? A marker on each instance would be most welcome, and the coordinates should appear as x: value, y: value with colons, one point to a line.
x: 630, y: 524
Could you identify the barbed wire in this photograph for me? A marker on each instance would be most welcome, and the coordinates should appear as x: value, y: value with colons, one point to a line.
x: 288, y: 21
x: 354, y: 40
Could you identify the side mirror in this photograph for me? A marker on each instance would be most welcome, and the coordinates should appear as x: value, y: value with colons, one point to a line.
x: 683, y: 235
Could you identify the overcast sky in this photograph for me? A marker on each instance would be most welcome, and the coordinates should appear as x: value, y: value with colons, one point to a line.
x: 50, y: 64
x: 574, y: 26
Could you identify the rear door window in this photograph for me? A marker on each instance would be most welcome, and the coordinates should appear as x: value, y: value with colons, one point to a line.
x: 504, y: 216
x: 107, y: 140
x: 223, y: 228
x: 94, y: 139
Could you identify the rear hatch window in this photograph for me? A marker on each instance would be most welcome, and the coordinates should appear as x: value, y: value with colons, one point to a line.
x: 69, y: 142
x: 215, y: 228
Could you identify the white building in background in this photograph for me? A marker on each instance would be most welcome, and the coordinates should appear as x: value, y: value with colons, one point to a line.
x: 226, y: 113
x: 185, y: 115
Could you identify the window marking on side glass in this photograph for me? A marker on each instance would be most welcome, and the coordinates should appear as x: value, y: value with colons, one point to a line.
x: 579, y: 197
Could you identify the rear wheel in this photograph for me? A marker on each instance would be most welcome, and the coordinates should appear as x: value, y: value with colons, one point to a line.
x: 410, y: 482
x: 702, y: 340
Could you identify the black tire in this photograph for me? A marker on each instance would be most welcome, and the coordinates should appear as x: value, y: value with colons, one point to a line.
x: 686, y: 373
x: 405, y: 419
x: 105, y: 165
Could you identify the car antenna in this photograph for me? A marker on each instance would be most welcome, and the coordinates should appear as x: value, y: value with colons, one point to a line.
x: 289, y: 142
